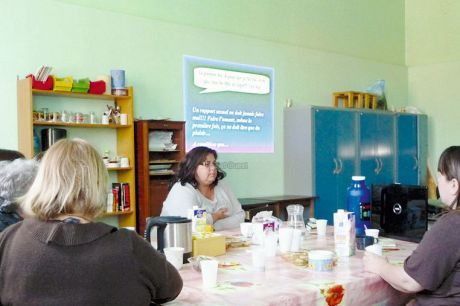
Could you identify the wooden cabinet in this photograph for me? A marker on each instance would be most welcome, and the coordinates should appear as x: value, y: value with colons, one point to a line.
x: 156, y: 165
x: 120, y: 138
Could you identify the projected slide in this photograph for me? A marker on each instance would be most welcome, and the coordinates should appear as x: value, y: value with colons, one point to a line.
x: 228, y: 106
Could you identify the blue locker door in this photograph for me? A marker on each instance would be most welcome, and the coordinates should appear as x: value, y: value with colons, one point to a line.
x: 406, y: 125
x: 334, y: 147
x: 376, y: 147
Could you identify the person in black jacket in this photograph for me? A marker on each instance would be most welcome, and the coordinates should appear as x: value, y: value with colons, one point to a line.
x: 16, y: 176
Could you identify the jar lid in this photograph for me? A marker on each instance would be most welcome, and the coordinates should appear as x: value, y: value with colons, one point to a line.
x: 358, y: 178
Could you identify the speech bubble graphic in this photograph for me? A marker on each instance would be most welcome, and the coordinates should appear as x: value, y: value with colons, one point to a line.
x: 217, y: 80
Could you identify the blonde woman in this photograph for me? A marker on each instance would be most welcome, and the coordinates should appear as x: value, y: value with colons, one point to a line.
x: 60, y: 256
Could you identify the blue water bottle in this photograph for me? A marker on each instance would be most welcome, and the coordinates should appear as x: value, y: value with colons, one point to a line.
x: 359, y: 202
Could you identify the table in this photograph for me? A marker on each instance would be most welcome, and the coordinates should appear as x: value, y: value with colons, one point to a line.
x: 283, y: 283
x: 277, y: 204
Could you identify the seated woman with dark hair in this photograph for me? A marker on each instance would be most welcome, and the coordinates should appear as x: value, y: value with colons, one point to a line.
x: 16, y: 176
x: 199, y: 183
x: 60, y: 256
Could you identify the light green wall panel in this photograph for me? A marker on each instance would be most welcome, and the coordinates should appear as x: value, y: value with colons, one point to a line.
x: 82, y: 42
x: 433, y: 57
x: 432, y: 31
x: 362, y: 28
x: 434, y: 90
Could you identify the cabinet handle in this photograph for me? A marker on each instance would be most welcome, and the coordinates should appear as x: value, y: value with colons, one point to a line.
x: 415, y: 162
x: 336, y: 167
x: 377, y: 166
x: 381, y: 165
x: 340, y: 166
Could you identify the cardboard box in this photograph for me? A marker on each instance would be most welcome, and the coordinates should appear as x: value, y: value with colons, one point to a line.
x: 208, y: 244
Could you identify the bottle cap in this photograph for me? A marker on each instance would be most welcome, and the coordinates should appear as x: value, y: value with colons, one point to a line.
x: 358, y: 178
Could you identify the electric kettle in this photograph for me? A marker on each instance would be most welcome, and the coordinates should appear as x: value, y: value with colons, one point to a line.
x: 169, y: 231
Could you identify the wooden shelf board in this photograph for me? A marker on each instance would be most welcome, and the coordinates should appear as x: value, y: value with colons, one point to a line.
x: 156, y: 162
x: 107, y: 214
x: 82, y: 125
x: 51, y: 93
x: 119, y: 168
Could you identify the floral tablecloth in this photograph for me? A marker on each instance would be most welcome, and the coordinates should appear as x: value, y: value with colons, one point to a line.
x: 283, y: 283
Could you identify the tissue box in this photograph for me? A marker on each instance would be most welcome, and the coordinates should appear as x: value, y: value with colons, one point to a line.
x: 208, y: 244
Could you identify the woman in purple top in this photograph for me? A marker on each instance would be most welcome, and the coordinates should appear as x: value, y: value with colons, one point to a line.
x: 432, y: 271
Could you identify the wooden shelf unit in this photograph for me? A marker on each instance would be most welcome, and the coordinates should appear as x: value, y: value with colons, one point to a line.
x: 152, y: 189
x: 125, y: 133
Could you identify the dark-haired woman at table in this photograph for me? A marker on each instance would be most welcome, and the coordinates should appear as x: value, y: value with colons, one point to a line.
x: 432, y: 271
x: 199, y: 183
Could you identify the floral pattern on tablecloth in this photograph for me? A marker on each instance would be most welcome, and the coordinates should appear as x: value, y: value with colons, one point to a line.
x: 283, y: 283
x: 333, y: 295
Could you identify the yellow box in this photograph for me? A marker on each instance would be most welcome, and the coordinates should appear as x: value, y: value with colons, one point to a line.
x: 62, y: 84
x: 208, y: 244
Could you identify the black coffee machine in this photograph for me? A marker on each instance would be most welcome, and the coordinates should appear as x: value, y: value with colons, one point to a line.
x: 400, y: 211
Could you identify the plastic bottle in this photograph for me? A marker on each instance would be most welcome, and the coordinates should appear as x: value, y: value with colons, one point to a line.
x: 359, y: 202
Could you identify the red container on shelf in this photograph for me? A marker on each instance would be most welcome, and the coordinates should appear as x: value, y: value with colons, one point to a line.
x: 96, y: 87
x: 47, y: 85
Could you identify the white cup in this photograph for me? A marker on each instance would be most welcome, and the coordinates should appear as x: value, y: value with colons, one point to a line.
x: 372, y: 232
x: 105, y: 119
x: 258, y: 233
x: 285, y: 238
x: 296, y: 239
x: 124, y: 162
x: 258, y: 259
x: 270, y: 243
x: 209, y: 273
x: 375, y: 248
x: 246, y: 229
x: 321, y: 226
x: 124, y: 119
x: 175, y: 255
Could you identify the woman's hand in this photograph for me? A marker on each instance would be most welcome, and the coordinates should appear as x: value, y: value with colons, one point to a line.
x: 221, y: 213
x: 374, y: 263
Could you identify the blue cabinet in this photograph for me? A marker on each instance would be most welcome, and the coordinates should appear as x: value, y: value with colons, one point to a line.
x: 334, y: 153
x: 376, y: 147
x: 411, y: 149
x: 324, y: 147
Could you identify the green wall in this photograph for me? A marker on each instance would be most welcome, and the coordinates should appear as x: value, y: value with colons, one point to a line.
x: 433, y: 58
x: 81, y: 41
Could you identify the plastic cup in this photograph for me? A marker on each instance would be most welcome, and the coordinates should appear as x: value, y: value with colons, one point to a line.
x: 285, y: 238
x: 258, y: 233
x: 258, y: 259
x: 209, y: 273
x: 375, y: 248
x: 321, y: 226
x: 246, y: 229
x: 372, y: 232
x: 175, y: 255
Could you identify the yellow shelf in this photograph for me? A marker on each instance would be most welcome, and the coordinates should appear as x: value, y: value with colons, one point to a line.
x: 83, y: 125
x: 77, y: 95
x: 124, y: 133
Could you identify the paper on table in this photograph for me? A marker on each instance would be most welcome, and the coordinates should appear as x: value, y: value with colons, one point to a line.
x: 387, y: 243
